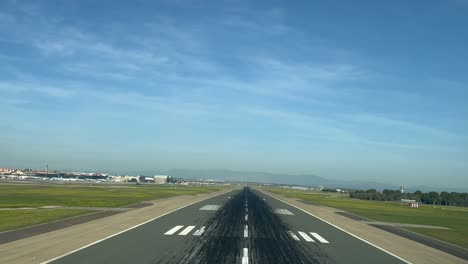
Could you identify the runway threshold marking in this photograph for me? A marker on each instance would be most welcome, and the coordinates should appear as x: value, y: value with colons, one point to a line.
x: 186, y: 230
x: 305, y: 236
x: 173, y: 230
x: 319, y: 238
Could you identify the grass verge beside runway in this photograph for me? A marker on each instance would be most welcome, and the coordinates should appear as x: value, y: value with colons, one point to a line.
x: 396, y: 213
x: 13, y: 219
x: 26, y: 195
x: 37, y: 195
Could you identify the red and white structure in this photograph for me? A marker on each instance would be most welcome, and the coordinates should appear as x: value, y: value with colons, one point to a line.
x: 414, y: 204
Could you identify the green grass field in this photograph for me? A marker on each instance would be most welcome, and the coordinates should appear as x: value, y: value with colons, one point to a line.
x: 13, y: 219
x: 22, y: 195
x: 455, y: 218
x: 26, y: 195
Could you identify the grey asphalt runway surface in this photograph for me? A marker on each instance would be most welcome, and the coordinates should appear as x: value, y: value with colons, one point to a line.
x: 243, y: 226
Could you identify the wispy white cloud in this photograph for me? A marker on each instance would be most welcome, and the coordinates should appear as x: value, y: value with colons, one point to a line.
x: 316, y: 126
x: 419, y: 129
x: 336, y: 129
x: 16, y: 88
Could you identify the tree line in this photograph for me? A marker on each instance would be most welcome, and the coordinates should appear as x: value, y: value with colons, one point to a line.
x: 434, y: 198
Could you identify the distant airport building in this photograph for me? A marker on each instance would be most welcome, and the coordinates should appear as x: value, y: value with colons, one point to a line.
x: 149, y: 179
x: 162, y: 179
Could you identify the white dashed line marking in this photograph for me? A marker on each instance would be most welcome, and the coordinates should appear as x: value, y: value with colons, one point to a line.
x: 245, y: 256
x: 246, y: 231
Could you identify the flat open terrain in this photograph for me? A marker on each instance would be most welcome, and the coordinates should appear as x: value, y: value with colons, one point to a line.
x: 15, y: 196
x: 13, y: 219
x: 454, y: 218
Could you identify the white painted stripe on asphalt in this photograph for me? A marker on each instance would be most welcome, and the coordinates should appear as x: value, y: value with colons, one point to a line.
x: 246, y: 217
x: 305, y: 236
x: 245, y: 257
x: 246, y: 231
x: 118, y: 233
x: 341, y: 229
x: 186, y: 230
x: 210, y: 207
x: 294, y: 235
x: 173, y: 230
x: 200, y: 231
x: 283, y: 212
x: 319, y: 238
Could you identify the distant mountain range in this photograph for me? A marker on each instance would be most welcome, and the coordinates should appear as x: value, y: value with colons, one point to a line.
x: 290, y: 179
x: 295, y: 179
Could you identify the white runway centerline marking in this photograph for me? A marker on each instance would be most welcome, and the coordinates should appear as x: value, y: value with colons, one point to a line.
x: 319, y: 238
x: 283, y: 212
x: 246, y: 217
x: 294, y: 235
x: 186, y: 230
x: 305, y: 236
x: 210, y: 207
x: 199, y: 232
x: 173, y: 230
x: 246, y: 231
x: 245, y: 256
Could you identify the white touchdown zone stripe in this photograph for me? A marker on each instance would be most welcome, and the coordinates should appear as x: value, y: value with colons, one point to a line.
x: 200, y: 231
x: 186, y: 230
x: 319, y: 238
x: 294, y: 235
x: 246, y: 231
x: 305, y: 236
x: 173, y: 230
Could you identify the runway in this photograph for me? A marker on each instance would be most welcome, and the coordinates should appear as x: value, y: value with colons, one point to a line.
x: 243, y: 226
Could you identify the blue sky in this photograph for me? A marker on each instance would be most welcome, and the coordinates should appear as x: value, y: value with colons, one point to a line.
x: 346, y: 90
